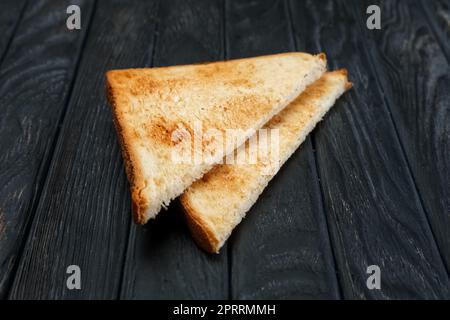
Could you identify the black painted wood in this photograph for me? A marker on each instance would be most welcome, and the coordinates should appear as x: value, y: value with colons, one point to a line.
x: 281, y: 249
x: 374, y: 212
x: 438, y: 15
x: 162, y: 260
x: 382, y: 154
x: 35, y: 81
x: 83, y: 216
x: 415, y: 78
x: 10, y: 16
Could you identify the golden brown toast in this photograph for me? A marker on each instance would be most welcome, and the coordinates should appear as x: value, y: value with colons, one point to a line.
x: 216, y: 204
x: 151, y: 105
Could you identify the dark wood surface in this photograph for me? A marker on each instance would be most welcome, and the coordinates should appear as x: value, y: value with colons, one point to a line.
x: 378, y: 204
x: 36, y: 77
x: 370, y: 186
x: 437, y: 13
x: 418, y: 98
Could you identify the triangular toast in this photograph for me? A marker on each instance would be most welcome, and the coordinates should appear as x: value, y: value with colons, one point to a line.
x: 151, y: 105
x: 215, y: 204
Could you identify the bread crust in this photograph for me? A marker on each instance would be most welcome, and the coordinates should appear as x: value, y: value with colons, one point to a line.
x: 200, y: 230
x: 135, y: 178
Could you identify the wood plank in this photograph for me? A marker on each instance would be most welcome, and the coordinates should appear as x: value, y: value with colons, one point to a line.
x: 438, y: 15
x: 162, y: 261
x: 374, y: 212
x: 10, y: 16
x: 281, y: 249
x: 35, y: 82
x: 83, y: 216
x: 415, y: 78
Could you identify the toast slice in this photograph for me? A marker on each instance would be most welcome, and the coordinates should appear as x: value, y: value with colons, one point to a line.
x: 215, y: 204
x: 152, y: 106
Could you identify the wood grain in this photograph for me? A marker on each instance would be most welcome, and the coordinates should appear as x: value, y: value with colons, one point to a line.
x: 438, y: 14
x: 281, y: 250
x: 83, y: 215
x: 374, y: 213
x: 373, y: 178
x: 163, y: 261
x: 415, y: 78
x: 10, y: 16
x: 35, y: 80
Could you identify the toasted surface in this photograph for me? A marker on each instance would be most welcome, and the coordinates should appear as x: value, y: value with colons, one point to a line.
x: 215, y: 204
x: 150, y: 104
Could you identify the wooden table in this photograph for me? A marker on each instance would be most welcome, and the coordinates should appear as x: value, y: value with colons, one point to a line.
x: 370, y: 186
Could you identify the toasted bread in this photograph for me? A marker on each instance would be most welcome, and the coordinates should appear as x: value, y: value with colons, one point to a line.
x: 150, y: 104
x: 215, y: 204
